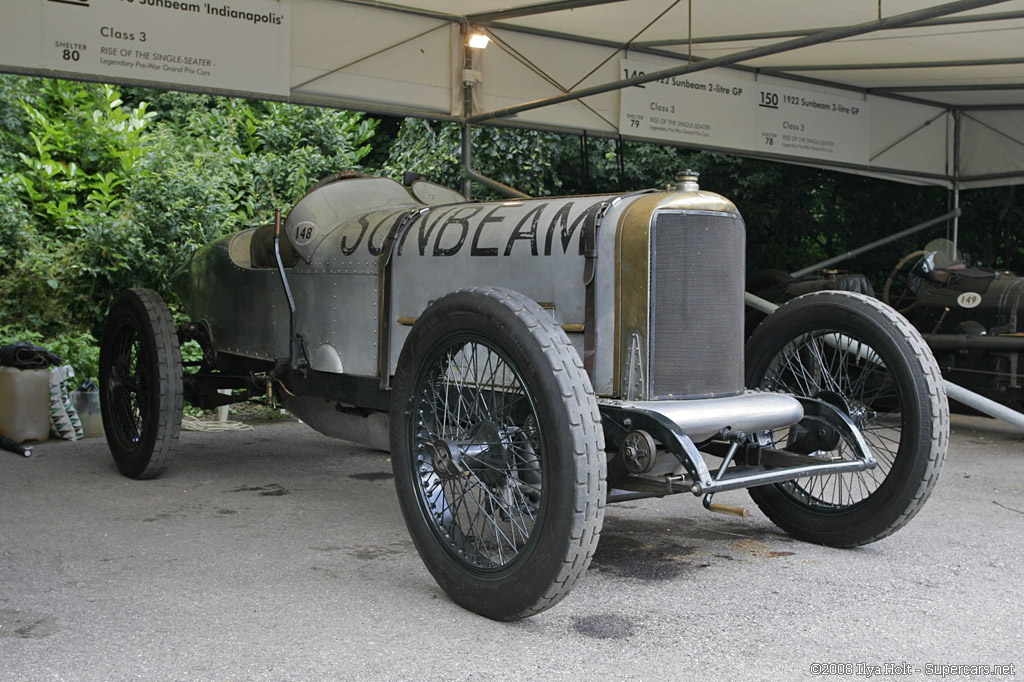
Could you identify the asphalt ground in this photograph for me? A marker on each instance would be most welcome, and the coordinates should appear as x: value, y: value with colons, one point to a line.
x: 280, y: 554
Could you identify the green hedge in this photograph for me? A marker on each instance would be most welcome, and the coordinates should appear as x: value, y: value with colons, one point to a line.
x: 101, y: 191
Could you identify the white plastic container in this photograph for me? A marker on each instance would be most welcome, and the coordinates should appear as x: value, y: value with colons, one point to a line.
x: 87, y: 403
x: 24, y: 403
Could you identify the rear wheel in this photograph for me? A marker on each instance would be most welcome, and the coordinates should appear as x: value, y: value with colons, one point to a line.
x: 140, y: 383
x: 863, y: 358
x: 498, y: 452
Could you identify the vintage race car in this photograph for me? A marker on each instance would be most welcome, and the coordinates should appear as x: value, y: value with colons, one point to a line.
x: 528, y: 361
x: 971, y: 316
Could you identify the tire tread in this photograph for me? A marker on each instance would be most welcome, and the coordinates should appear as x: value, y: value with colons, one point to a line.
x: 588, y: 439
x: 572, y: 538
x: 155, y: 319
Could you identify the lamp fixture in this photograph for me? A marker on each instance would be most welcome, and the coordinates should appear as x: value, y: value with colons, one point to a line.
x: 478, y: 41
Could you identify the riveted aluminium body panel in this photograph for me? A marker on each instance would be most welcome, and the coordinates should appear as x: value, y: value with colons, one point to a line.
x: 337, y: 292
x: 535, y: 247
x: 243, y: 308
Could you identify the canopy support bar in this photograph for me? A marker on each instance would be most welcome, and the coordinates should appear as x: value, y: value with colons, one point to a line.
x: 974, y: 87
x: 772, y: 35
x: 913, y: 132
x: 530, y: 10
x: 868, y: 66
x: 957, y: 128
x: 874, y: 245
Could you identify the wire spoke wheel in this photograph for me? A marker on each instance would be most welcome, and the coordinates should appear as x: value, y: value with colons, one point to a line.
x: 498, y: 452
x: 129, y: 384
x: 140, y: 383
x: 847, y: 373
x: 478, y: 454
x: 865, y: 360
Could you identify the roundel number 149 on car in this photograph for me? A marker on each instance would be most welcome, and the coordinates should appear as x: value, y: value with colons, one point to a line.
x: 969, y: 299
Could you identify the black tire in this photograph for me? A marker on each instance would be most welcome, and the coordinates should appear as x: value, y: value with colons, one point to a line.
x: 498, y: 452
x: 140, y: 383
x: 882, y: 375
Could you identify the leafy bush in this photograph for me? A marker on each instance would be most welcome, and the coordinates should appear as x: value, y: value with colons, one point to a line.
x: 524, y: 159
x: 100, y: 192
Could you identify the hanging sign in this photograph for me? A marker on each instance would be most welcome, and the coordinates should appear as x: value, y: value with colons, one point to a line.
x: 239, y: 46
x: 715, y: 109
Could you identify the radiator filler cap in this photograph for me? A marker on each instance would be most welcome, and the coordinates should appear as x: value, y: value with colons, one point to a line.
x: 688, y: 181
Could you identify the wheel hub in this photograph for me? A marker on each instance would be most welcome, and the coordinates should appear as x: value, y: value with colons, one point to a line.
x: 814, y: 436
x: 485, y: 454
x: 121, y: 379
x: 859, y: 414
x: 444, y: 453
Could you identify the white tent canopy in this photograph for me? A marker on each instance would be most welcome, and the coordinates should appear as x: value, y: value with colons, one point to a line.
x: 907, y: 89
x: 947, y: 72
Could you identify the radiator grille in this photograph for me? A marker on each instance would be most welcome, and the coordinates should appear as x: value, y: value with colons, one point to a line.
x: 697, y: 270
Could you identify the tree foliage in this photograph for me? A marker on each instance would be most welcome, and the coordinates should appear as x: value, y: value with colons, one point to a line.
x: 524, y: 159
x: 100, y: 192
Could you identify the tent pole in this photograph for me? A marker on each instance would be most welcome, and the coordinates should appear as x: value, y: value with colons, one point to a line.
x: 468, y: 173
x: 467, y: 109
x: 467, y: 160
x: 956, y: 177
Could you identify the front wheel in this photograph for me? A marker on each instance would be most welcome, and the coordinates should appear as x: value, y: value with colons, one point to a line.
x: 860, y: 356
x: 140, y: 383
x: 498, y: 452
